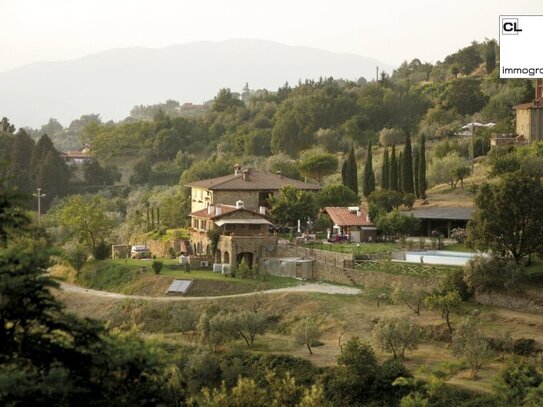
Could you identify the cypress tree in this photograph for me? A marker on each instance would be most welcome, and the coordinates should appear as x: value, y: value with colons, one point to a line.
x: 416, y: 172
x: 42, y: 148
x: 393, y: 172
x: 422, y: 168
x: 407, y: 170
x: 20, y: 154
x: 400, y: 171
x: 349, y: 172
x: 490, y: 57
x: 369, y: 176
x: 52, y: 177
x: 385, y: 171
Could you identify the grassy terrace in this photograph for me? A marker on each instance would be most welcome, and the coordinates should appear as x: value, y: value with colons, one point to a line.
x: 137, y: 277
x: 363, y: 248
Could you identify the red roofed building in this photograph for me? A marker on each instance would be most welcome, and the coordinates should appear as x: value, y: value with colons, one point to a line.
x: 353, y: 222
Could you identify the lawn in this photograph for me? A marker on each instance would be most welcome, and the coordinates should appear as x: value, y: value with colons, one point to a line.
x: 136, y: 277
x: 362, y: 248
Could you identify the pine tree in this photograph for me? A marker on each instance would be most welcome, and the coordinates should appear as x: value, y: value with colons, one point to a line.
x: 349, y: 172
x: 416, y: 173
x: 369, y: 176
x: 385, y: 169
x: 407, y: 169
x: 422, y: 169
x: 393, y: 172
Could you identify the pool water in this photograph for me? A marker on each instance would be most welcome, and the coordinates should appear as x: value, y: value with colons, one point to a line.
x: 440, y: 257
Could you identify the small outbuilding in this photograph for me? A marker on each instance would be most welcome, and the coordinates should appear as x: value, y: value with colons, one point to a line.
x: 442, y: 219
x: 352, y: 223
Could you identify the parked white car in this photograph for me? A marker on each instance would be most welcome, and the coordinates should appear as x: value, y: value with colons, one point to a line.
x: 139, y: 252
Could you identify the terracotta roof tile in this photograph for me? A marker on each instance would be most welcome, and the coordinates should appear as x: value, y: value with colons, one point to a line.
x: 255, y: 181
x: 341, y: 216
x: 204, y: 213
x: 536, y: 104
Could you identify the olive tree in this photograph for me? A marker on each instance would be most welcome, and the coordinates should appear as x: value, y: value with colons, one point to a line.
x: 470, y: 343
x: 307, y: 332
x: 396, y: 335
x: 449, y: 170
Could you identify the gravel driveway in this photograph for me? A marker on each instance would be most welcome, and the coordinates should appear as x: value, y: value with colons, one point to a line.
x: 303, y: 288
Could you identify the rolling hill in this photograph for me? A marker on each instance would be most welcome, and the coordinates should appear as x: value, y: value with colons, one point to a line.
x: 112, y: 82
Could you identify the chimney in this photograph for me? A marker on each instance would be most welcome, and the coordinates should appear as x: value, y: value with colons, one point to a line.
x: 218, y: 211
x: 237, y: 169
x: 538, y: 89
x: 368, y: 218
x: 239, y: 204
x: 210, y: 209
x: 279, y: 173
x: 262, y: 210
x: 246, y: 175
x: 358, y: 213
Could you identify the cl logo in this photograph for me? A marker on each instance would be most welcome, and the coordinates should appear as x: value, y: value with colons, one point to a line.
x: 510, y: 26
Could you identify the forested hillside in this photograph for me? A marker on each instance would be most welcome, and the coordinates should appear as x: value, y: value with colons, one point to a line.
x: 163, y: 147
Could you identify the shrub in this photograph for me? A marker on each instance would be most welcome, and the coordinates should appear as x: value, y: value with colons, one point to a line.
x: 244, y: 271
x: 483, y: 273
x: 385, y: 199
x: 459, y: 234
x: 501, y: 344
x: 409, y: 200
x: 525, y: 347
x: 515, y: 380
x: 102, y: 251
x: 76, y: 255
x: 454, y: 280
x: 157, y: 266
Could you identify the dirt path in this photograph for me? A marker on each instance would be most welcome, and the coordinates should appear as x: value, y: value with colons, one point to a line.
x: 303, y: 288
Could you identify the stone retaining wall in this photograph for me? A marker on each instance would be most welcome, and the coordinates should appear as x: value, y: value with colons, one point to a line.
x: 509, y: 301
x: 337, y: 267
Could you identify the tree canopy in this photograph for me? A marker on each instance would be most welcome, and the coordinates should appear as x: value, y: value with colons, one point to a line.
x: 509, y: 216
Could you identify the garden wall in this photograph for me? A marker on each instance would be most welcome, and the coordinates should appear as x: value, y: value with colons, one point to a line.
x: 161, y: 248
x: 337, y: 267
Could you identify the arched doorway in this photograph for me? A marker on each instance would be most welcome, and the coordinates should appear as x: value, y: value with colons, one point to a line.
x: 218, y: 256
x: 226, y: 258
x: 247, y: 256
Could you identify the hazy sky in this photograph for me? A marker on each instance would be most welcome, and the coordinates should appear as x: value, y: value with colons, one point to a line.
x: 389, y: 30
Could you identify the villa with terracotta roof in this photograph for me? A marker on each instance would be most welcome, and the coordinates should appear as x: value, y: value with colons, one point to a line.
x: 243, y: 234
x: 252, y: 187
x: 530, y: 116
x: 353, y: 222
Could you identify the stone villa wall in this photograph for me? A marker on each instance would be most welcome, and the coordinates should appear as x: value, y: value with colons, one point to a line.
x: 249, y: 198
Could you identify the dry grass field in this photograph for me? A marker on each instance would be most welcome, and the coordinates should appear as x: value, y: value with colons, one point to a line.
x: 342, y: 317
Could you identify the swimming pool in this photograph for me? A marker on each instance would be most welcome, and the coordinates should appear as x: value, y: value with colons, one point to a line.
x: 440, y: 257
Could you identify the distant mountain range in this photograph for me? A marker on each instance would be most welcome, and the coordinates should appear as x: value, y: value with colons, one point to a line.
x: 112, y: 82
